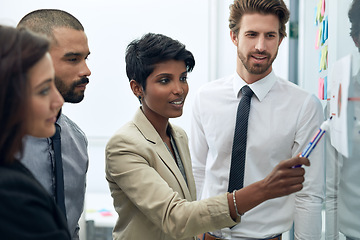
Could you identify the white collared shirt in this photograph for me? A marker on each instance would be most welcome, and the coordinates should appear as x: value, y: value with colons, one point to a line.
x: 283, y: 119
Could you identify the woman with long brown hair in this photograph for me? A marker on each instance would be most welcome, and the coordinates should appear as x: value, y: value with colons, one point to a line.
x: 29, y: 104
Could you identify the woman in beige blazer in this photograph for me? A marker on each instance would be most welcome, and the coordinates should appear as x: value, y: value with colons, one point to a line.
x: 148, y: 165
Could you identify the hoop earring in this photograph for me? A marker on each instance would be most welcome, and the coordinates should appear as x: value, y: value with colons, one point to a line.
x: 139, y: 97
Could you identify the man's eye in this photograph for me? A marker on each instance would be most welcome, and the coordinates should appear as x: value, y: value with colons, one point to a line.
x: 72, y: 59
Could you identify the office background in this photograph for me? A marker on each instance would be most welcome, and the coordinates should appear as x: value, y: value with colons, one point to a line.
x: 202, y: 25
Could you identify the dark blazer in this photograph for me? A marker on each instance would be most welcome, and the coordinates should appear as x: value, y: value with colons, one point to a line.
x: 27, y: 211
x: 150, y: 194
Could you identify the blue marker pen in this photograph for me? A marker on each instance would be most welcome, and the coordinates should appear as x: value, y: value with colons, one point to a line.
x: 323, y: 128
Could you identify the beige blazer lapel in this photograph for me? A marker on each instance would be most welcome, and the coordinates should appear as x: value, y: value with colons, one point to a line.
x: 183, y: 149
x: 150, y: 134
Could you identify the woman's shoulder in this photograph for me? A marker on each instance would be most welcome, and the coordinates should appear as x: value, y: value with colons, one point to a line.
x: 129, y: 138
x: 19, y: 189
x: 125, y: 133
x: 12, y: 172
x: 16, y: 177
x: 21, y: 195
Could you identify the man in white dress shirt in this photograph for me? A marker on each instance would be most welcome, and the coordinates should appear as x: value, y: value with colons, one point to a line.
x: 283, y: 119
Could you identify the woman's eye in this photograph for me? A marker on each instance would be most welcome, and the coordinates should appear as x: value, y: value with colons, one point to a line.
x: 183, y: 79
x: 45, y: 91
x: 164, y: 80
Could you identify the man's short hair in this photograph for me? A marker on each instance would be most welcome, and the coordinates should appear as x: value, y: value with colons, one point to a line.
x: 241, y: 7
x: 354, y: 17
x: 44, y: 21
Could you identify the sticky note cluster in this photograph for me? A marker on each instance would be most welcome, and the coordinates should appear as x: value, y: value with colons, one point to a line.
x: 321, y: 23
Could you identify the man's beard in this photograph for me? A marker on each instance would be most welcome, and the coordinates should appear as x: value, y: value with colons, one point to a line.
x: 68, y: 92
x: 256, y: 69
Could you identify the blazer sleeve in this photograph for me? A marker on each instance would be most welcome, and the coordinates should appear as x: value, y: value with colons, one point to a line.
x: 133, y: 167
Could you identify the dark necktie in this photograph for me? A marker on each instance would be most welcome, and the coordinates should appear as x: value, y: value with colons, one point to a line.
x: 236, y: 178
x: 59, y: 176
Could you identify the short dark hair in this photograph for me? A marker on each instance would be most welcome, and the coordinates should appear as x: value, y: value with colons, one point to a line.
x: 354, y: 17
x: 142, y: 55
x: 20, y: 50
x: 45, y: 20
x: 241, y: 7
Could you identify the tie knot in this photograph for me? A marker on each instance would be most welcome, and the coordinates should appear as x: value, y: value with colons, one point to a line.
x: 246, y: 90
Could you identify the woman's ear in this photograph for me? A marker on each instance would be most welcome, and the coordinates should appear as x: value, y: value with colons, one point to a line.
x: 136, y: 88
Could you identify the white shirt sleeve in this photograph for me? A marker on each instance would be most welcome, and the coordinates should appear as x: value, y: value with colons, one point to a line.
x: 198, y: 147
x: 308, y: 202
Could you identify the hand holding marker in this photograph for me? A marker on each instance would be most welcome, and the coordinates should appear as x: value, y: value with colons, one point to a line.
x: 323, y: 128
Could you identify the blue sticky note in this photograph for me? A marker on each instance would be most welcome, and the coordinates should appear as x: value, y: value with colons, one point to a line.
x: 325, y: 29
x: 325, y: 87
